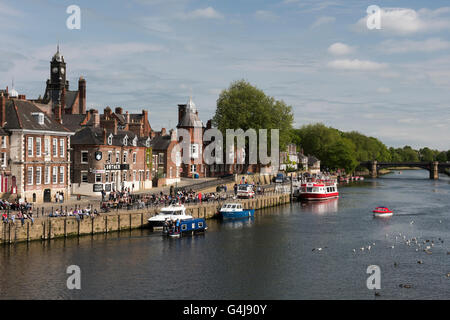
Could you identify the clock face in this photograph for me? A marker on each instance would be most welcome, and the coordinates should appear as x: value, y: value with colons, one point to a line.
x: 98, y: 155
x: 62, y: 70
x: 55, y: 70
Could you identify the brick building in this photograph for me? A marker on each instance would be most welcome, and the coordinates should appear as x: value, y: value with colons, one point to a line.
x: 109, y: 159
x: 39, y: 159
x: 188, y: 120
x: 166, y: 170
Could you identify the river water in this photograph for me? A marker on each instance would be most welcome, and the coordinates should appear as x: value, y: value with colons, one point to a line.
x: 268, y: 257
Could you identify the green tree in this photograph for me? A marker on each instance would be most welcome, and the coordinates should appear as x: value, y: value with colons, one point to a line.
x: 329, y: 145
x: 442, y: 156
x: 426, y: 154
x: 246, y: 107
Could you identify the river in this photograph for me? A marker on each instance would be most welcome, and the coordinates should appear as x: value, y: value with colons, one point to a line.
x: 268, y: 257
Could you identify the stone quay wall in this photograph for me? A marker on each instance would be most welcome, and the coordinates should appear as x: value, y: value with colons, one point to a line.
x: 45, y: 228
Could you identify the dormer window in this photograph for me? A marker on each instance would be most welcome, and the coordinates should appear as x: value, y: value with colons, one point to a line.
x: 147, y: 143
x: 135, y: 141
x: 38, y: 117
x: 110, y: 138
x: 125, y: 140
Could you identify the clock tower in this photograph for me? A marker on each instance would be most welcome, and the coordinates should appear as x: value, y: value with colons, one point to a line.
x: 57, y: 80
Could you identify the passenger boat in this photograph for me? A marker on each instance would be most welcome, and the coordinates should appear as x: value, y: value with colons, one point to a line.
x: 172, y: 212
x: 235, y: 211
x: 245, y: 191
x: 319, y: 189
x: 382, y: 212
x: 186, y: 227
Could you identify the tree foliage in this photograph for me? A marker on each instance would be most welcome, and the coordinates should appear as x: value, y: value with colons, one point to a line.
x: 247, y: 107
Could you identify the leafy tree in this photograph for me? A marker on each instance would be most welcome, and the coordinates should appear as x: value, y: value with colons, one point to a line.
x: 442, y: 156
x: 247, y: 107
x: 426, y: 154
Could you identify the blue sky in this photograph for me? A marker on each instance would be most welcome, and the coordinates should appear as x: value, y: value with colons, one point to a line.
x: 317, y: 56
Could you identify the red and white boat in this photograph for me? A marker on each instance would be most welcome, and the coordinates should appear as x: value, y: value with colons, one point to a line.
x: 319, y: 190
x: 382, y: 212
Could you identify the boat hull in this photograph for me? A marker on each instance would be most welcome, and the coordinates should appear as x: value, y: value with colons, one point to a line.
x: 237, y: 214
x: 382, y: 215
x: 318, y: 196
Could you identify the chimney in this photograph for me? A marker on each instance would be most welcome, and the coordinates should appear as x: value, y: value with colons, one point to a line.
x: 118, y: 110
x: 2, y: 110
x: 163, y: 131
x: 115, y: 126
x: 107, y: 112
x: 127, y: 117
x: 81, y: 96
x: 96, y: 118
x: 209, y: 124
x: 104, y: 135
x: 57, y: 112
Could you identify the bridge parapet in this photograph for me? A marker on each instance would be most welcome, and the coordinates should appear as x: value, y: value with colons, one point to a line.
x: 433, y: 167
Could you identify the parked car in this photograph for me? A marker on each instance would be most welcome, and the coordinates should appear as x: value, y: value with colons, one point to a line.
x: 279, y: 178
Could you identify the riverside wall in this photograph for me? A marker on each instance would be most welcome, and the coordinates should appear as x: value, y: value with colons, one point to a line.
x: 46, y: 228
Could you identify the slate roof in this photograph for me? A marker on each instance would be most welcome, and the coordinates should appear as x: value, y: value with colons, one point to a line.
x: 70, y: 97
x: 73, y: 121
x: 94, y: 136
x: 190, y: 119
x: 19, y: 116
x: 160, y: 142
x: 312, y: 160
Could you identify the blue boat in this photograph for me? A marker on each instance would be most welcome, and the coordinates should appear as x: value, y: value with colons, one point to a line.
x: 186, y: 227
x: 235, y: 211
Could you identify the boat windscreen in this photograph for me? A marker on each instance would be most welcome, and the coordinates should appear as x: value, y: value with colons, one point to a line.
x: 171, y: 212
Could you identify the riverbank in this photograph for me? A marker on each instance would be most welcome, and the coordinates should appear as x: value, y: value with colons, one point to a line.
x: 46, y: 228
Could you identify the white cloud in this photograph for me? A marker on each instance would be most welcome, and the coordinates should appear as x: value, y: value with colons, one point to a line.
x: 207, y: 13
x: 428, y: 45
x: 405, y: 21
x: 265, y: 15
x: 323, y: 20
x: 340, y: 48
x: 356, y: 65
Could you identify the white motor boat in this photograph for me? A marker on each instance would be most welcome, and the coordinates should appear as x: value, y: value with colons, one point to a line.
x: 172, y: 212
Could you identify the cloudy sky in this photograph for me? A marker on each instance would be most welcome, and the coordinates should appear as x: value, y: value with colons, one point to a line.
x: 318, y: 56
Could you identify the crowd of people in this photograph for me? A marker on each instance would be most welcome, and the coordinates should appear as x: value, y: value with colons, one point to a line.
x: 22, y: 209
x: 78, y: 213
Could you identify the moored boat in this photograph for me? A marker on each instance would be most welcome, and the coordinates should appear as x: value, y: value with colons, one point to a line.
x: 235, y: 211
x: 319, y: 190
x: 382, y: 212
x: 185, y: 227
x: 172, y: 212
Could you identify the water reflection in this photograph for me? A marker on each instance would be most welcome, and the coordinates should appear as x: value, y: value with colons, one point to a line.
x: 321, y: 207
x: 238, y: 223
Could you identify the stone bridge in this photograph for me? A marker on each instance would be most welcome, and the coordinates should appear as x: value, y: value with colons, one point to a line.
x: 434, y: 167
